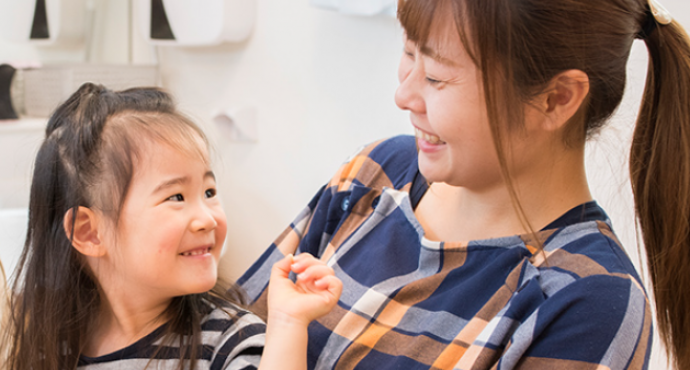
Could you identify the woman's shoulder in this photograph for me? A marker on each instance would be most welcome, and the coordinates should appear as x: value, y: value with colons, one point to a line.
x: 396, y: 148
x: 589, y: 247
x: 389, y: 162
x: 585, y: 254
x: 582, y: 282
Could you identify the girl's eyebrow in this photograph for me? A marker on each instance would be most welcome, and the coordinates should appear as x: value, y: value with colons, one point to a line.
x: 180, y: 181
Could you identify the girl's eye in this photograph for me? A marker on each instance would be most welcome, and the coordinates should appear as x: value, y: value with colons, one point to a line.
x: 210, y: 193
x: 177, y: 198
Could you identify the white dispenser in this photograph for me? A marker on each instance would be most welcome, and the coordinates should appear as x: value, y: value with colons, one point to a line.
x: 43, y: 22
x: 195, y: 23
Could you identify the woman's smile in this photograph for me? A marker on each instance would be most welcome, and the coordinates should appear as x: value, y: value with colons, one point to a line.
x: 427, y: 137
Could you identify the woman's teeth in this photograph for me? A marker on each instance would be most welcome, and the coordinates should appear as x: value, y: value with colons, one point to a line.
x: 431, y: 139
x: 196, y: 252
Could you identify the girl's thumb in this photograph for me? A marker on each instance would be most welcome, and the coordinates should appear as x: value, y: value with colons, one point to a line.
x: 282, y: 268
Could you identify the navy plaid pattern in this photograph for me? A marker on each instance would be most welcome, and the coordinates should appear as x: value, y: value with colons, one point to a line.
x: 412, y: 303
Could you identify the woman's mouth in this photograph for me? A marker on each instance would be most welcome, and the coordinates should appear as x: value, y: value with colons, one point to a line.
x: 429, y: 138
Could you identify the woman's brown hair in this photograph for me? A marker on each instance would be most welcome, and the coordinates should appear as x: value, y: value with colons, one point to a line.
x: 92, y: 144
x: 521, y: 45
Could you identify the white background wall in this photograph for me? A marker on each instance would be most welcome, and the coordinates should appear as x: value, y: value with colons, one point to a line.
x: 322, y: 84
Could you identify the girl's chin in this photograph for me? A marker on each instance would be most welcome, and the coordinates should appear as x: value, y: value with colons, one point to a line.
x: 203, y: 286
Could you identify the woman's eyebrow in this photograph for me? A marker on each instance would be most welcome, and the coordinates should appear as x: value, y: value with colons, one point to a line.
x: 433, y: 54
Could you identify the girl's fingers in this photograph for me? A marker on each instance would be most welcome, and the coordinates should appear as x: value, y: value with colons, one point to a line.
x: 302, y: 261
x: 332, y: 284
x: 282, y: 268
x: 314, y: 273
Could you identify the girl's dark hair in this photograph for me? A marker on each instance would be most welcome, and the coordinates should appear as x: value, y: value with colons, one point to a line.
x: 521, y: 45
x: 87, y: 159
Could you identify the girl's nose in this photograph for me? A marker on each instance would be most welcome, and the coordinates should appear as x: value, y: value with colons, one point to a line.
x: 204, y: 219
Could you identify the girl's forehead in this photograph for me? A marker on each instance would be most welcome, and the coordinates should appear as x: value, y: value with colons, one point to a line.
x: 159, y: 152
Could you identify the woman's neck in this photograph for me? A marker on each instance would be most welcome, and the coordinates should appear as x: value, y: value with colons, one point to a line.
x: 449, y: 213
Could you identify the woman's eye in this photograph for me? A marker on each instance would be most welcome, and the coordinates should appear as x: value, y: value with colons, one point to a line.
x: 176, y: 198
x: 210, y: 193
x: 409, y: 54
x: 433, y: 81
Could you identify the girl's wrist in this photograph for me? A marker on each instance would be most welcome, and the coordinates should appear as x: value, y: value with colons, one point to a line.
x: 283, y: 320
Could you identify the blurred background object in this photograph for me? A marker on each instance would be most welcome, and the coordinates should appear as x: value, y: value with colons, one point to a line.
x: 7, y: 110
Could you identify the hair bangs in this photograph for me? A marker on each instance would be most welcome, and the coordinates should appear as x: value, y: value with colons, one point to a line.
x: 420, y: 17
x: 415, y: 17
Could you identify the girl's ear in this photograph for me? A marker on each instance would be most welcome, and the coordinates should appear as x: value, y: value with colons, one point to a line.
x: 564, y: 96
x: 86, y: 238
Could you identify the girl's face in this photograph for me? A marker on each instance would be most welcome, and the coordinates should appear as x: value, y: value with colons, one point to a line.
x: 441, y: 88
x: 172, y: 226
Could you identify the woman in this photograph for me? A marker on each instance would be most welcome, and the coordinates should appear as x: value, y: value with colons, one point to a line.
x: 478, y: 245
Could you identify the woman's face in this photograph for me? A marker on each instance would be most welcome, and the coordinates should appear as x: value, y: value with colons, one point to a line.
x: 441, y: 88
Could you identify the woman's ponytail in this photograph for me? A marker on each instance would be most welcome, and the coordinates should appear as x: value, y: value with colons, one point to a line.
x: 660, y: 175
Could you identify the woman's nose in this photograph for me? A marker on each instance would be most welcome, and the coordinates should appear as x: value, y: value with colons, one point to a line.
x: 408, y: 94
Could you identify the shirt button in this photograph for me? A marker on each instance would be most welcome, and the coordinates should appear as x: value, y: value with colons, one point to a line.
x: 345, y: 204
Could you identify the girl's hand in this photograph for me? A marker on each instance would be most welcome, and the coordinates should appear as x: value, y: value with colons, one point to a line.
x: 313, y: 295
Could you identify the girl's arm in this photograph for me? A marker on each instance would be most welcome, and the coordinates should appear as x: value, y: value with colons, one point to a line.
x: 292, y: 306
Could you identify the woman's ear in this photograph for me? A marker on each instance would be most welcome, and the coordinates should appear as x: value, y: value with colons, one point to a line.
x: 85, y: 235
x: 564, y: 96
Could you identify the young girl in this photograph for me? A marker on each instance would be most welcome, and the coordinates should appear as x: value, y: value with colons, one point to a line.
x: 125, y: 233
x: 476, y: 244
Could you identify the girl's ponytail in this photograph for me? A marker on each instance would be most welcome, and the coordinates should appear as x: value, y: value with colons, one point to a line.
x: 660, y: 175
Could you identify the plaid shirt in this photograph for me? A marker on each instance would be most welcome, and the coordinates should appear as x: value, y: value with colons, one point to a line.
x: 412, y: 303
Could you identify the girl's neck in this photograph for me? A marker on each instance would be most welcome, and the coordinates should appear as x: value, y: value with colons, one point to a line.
x: 449, y: 213
x: 120, y: 325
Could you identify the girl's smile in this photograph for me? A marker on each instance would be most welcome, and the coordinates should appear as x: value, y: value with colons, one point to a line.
x: 202, y: 251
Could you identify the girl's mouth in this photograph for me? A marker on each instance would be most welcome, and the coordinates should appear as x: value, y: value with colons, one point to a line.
x: 196, y: 252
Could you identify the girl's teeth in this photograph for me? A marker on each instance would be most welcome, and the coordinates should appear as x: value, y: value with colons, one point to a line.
x: 195, y: 253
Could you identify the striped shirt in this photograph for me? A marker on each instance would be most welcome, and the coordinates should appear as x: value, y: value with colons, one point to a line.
x: 231, y: 339
x: 412, y: 303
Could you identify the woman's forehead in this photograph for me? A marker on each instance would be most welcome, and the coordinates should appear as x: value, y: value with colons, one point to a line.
x: 443, y: 42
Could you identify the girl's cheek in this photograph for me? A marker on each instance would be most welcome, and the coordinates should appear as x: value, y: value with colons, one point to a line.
x: 222, y: 228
